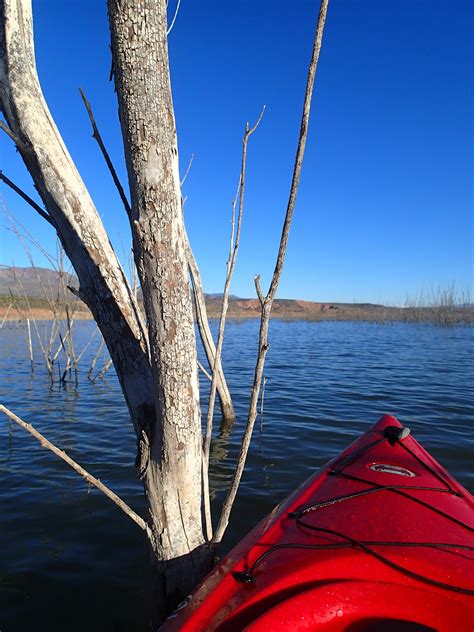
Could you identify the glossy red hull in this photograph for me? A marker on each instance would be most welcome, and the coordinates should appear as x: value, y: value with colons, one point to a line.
x: 380, y: 539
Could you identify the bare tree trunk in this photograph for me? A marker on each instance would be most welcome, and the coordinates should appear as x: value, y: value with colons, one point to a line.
x: 198, y: 292
x: 173, y: 476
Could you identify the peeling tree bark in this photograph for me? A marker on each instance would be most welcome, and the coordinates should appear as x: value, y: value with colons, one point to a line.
x: 173, y: 477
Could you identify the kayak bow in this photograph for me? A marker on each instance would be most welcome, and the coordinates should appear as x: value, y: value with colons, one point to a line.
x: 380, y: 537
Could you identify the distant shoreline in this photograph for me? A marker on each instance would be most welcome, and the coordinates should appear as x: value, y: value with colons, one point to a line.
x: 42, y: 294
x: 288, y: 311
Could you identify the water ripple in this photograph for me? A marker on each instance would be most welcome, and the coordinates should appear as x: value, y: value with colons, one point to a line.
x: 327, y: 382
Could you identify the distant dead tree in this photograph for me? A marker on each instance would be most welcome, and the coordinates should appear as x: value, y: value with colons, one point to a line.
x: 155, y: 360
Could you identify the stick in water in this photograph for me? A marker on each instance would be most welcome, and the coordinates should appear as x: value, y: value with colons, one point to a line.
x: 80, y: 470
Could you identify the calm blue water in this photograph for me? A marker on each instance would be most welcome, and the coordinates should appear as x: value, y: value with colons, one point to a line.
x: 71, y: 560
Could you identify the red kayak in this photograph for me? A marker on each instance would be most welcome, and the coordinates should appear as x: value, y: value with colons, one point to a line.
x: 380, y: 539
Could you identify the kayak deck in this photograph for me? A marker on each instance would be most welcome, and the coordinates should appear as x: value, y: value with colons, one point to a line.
x: 382, y: 534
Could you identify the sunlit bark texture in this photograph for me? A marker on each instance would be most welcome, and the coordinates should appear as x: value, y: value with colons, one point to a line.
x: 139, y: 45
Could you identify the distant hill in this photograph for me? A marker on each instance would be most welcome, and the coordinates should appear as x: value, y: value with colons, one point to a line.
x: 38, y: 282
x: 41, y: 283
x: 32, y: 282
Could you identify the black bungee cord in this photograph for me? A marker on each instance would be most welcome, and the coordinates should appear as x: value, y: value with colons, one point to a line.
x: 393, y: 435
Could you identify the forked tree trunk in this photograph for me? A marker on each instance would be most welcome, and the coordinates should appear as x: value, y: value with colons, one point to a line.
x: 157, y: 368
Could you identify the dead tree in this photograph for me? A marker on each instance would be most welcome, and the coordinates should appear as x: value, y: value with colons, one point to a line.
x: 156, y: 366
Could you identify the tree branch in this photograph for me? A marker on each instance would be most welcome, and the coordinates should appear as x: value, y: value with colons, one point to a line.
x: 174, y: 18
x: 80, y: 470
x: 96, y: 135
x: 206, y: 335
x: 187, y: 170
x: 202, y: 320
x: 233, y: 250
x: 77, y: 292
x: 208, y: 375
x: 268, y: 300
x: 68, y: 202
x: 27, y: 199
x: 11, y: 135
x: 258, y: 288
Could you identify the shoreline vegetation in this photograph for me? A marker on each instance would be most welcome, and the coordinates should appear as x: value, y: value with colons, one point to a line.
x: 442, y: 310
x: 35, y: 293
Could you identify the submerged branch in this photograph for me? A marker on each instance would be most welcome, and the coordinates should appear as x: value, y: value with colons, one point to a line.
x: 77, y: 468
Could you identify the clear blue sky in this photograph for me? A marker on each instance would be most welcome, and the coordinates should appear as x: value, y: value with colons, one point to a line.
x: 385, y: 202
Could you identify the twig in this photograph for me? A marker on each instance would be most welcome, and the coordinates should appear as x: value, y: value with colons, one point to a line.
x: 25, y: 296
x: 95, y: 358
x: 86, y: 346
x: 233, y: 250
x: 262, y: 400
x: 208, y: 375
x: 102, y: 372
x: 30, y: 346
x: 27, y: 199
x: 206, y: 335
x: 15, y: 226
x: 258, y: 289
x: 6, y: 315
x: 11, y: 135
x: 268, y: 300
x: 96, y: 135
x: 202, y: 320
x: 174, y: 18
x: 80, y: 470
x: 187, y: 170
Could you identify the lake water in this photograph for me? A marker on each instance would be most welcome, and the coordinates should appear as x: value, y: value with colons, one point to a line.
x: 70, y: 560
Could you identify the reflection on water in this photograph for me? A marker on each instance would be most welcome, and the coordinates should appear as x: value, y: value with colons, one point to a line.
x: 71, y: 560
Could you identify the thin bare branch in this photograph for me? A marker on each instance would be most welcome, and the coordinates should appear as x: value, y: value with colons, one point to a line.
x: 6, y: 315
x: 268, y: 300
x: 77, y: 292
x: 77, y: 468
x: 203, y: 323
x: 208, y: 375
x: 206, y: 335
x: 87, y: 345
x: 186, y: 173
x: 96, y: 135
x: 95, y: 358
x: 24, y: 235
x: 252, y: 129
x: 102, y: 372
x: 30, y: 345
x: 11, y: 135
x: 262, y: 401
x: 174, y: 18
x: 27, y: 199
x: 233, y: 250
x: 259, y: 289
